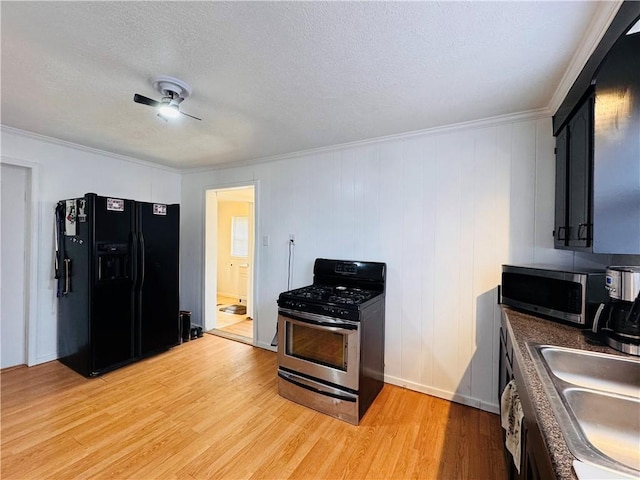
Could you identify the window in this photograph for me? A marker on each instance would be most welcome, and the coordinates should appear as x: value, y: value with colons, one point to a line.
x: 239, y: 236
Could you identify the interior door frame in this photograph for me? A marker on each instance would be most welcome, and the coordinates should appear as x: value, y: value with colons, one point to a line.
x: 209, y: 273
x: 31, y: 253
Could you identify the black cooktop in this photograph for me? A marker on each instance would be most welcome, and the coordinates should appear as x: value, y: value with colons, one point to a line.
x: 341, y: 288
x: 333, y: 301
x: 338, y: 295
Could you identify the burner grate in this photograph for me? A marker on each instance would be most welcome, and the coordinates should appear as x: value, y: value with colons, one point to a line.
x: 340, y: 295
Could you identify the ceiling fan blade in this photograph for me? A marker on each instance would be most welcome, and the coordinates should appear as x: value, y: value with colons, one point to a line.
x: 145, y: 100
x: 190, y: 116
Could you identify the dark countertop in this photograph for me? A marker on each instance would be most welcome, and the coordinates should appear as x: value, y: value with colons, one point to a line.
x: 523, y: 328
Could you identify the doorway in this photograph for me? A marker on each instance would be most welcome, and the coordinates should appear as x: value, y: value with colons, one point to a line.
x: 229, y: 262
x: 16, y: 187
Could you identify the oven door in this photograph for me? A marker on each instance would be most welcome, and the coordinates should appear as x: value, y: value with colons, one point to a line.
x: 321, y: 347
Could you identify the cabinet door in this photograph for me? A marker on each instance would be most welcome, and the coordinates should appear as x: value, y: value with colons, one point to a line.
x: 560, y: 223
x: 506, y: 374
x: 616, y: 162
x: 531, y: 470
x: 579, y: 187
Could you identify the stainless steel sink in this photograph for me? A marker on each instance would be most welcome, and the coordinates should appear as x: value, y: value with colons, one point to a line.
x: 596, y: 400
x: 598, y: 371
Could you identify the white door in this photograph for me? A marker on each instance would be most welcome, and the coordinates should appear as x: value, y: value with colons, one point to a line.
x: 14, y: 180
x: 243, y: 281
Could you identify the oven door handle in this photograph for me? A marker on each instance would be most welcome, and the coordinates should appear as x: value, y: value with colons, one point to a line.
x: 316, y: 388
x: 331, y: 325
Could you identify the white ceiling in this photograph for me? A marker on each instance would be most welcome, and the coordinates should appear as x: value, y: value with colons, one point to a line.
x: 272, y: 78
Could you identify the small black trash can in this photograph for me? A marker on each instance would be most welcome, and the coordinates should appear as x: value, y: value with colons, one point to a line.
x: 185, y: 325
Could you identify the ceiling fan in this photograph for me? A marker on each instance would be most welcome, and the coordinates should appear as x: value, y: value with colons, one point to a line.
x: 173, y: 92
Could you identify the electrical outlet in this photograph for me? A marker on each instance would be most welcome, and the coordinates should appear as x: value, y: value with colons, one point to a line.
x: 292, y: 238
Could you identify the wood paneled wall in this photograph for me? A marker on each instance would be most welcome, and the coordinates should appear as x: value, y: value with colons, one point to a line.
x: 444, y: 210
x: 66, y: 170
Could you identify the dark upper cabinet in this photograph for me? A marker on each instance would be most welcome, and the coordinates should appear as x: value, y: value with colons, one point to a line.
x: 616, y: 176
x: 580, y: 161
x: 561, y: 216
x: 574, y: 165
x: 598, y: 160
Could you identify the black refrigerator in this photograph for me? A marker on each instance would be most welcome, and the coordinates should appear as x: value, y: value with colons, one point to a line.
x: 117, y: 266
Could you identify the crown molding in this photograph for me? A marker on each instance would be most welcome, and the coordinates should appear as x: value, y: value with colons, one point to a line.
x: 596, y: 30
x: 470, y: 125
x: 84, y: 148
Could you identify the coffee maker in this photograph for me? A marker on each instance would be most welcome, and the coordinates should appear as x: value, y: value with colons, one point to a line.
x: 619, y: 318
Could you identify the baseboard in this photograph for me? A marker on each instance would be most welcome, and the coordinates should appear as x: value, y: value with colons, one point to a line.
x: 444, y: 394
x: 231, y: 295
x: 266, y: 346
x: 45, y: 359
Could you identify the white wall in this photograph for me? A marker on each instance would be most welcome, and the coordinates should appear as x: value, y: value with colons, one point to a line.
x: 68, y: 171
x: 443, y: 209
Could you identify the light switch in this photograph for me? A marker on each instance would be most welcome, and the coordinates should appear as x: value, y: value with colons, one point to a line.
x: 265, y: 240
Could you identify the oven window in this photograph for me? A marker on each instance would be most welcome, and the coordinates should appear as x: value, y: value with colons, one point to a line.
x: 319, y: 346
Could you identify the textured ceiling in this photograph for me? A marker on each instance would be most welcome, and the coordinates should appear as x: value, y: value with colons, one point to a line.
x: 271, y: 78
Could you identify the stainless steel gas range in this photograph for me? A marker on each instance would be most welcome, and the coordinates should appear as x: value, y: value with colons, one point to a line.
x: 331, y: 339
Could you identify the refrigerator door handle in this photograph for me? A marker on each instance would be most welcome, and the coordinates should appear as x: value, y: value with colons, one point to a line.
x: 67, y: 276
x: 140, y: 276
x: 133, y: 259
x: 141, y: 259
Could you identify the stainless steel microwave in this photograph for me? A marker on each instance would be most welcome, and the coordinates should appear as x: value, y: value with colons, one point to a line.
x: 562, y: 294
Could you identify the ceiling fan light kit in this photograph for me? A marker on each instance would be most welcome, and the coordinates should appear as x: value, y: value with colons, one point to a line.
x: 168, y: 111
x: 173, y: 92
x: 166, y: 85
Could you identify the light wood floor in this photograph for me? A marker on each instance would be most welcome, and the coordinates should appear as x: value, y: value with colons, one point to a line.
x: 244, y: 328
x: 241, y: 325
x: 209, y: 409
